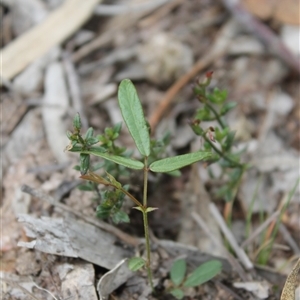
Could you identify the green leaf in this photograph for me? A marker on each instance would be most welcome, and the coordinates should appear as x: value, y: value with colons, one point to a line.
x: 84, y: 163
x: 113, y: 180
x: 218, y: 96
x: 173, y: 163
x: 91, y: 141
x: 69, y: 135
x: 229, y: 140
x: 124, y: 161
x: 89, y: 133
x: 138, y: 208
x: 103, y: 211
x: 227, y: 107
x: 120, y: 217
x: 135, y: 263
x: 77, y: 122
x: 204, y: 114
x: 86, y: 187
x: 177, y: 272
x: 133, y: 116
x: 197, y: 129
x: 203, y: 273
x: 117, y: 127
x: 175, y: 173
x: 149, y: 209
x: 177, y: 293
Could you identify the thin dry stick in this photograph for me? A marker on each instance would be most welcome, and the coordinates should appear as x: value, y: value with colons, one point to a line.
x: 128, y: 239
x: 234, y: 263
x: 227, y: 289
x: 40, y: 288
x: 241, y: 254
x: 263, y: 32
x: 118, y: 9
x: 289, y: 239
x: 95, y: 44
x: 219, y: 48
x: 259, y: 229
x: 74, y: 89
x: 274, y: 222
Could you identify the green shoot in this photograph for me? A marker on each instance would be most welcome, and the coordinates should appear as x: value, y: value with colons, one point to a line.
x: 214, y: 108
x: 112, y: 200
x: 200, y: 275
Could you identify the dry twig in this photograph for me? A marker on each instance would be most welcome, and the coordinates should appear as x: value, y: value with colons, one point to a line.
x: 259, y: 229
x: 75, y: 93
x: 234, y: 263
x: 241, y: 254
x: 218, y: 49
x: 264, y: 33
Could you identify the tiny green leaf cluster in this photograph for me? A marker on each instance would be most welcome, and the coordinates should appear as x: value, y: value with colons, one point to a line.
x: 219, y: 140
x: 200, y: 275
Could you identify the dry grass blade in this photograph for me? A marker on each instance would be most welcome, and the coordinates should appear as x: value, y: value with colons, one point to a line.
x: 231, y: 259
x: 263, y: 32
x: 117, y: 9
x: 259, y: 229
x: 241, y: 254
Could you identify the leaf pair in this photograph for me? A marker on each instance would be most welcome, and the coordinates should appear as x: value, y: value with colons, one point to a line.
x: 133, y: 116
x: 202, y: 274
x: 163, y: 165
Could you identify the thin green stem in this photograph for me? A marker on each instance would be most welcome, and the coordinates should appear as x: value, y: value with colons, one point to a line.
x: 147, y: 239
x: 218, y: 117
x: 145, y: 221
x: 222, y: 154
x: 137, y: 202
x: 145, y: 181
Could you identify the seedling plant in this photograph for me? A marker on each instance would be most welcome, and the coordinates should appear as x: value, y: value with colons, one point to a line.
x: 219, y: 139
x: 200, y: 275
x: 103, y: 146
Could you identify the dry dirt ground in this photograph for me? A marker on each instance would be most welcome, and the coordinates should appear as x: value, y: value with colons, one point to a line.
x: 60, y: 57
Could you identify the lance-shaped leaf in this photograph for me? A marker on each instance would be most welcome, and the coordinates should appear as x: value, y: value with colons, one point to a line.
x: 177, y: 272
x: 135, y: 263
x: 202, y: 274
x: 174, y: 163
x: 120, y: 160
x: 133, y: 116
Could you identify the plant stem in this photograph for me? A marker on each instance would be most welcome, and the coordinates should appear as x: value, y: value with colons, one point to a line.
x: 147, y: 239
x: 239, y: 165
x: 218, y: 117
x: 145, y: 182
x: 145, y: 221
